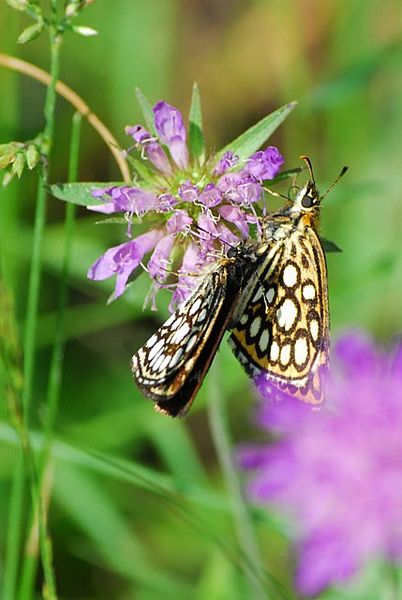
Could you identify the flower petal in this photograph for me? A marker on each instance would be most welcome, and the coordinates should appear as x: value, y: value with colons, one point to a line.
x: 123, y: 259
x: 159, y: 262
x: 172, y: 131
x: 265, y: 164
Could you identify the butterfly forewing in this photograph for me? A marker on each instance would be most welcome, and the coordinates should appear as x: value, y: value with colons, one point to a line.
x: 283, y: 328
x: 170, y: 367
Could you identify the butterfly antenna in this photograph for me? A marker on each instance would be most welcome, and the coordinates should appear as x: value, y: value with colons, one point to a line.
x: 309, y: 166
x: 341, y: 174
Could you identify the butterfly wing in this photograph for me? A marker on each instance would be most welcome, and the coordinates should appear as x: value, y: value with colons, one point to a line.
x: 283, y: 329
x: 171, y: 366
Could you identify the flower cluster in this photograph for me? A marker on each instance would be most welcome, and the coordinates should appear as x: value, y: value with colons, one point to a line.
x: 338, y: 471
x: 200, y: 206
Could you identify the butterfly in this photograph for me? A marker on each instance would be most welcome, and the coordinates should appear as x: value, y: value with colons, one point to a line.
x: 271, y: 293
x: 172, y: 364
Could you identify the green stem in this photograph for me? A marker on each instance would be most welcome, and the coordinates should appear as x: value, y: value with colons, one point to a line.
x: 221, y: 437
x: 55, y: 371
x: 14, y: 531
x: 17, y: 497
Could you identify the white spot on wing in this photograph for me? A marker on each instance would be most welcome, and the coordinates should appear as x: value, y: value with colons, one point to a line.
x: 300, y: 351
x: 285, y: 355
x: 289, y: 276
x: 180, y: 334
x: 152, y: 340
x: 308, y: 291
x: 244, y: 319
x: 263, y: 341
x: 156, y: 349
x: 255, y: 327
x: 274, y: 351
x: 191, y: 342
x: 201, y: 316
x: 196, y: 306
x: 258, y: 294
x: 270, y: 295
x: 176, y: 358
x: 156, y: 364
x: 314, y: 329
x: 286, y: 314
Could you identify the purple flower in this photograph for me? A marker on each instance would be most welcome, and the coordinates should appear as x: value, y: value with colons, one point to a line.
x: 172, y: 132
x: 122, y: 260
x: 227, y: 162
x: 195, y: 209
x: 338, y: 471
x: 125, y: 199
x: 211, y: 196
x: 154, y: 151
x: 240, y: 187
x: 265, y: 164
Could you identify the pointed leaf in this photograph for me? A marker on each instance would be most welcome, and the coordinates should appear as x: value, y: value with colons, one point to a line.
x: 146, y: 108
x: 196, y: 140
x: 249, y: 141
x: 81, y: 193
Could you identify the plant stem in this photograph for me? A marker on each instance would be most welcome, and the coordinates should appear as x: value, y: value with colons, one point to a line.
x: 221, y: 437
x: 17, y: 496
x: 55, y: 371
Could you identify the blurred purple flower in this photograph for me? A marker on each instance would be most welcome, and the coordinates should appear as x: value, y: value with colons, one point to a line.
x: 198, y: 208
x: 338, y: 471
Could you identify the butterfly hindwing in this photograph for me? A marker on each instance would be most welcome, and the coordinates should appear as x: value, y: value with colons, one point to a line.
x: 283, y: 329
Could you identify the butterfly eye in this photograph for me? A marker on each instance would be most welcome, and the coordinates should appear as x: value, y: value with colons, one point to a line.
x: 307, y: 202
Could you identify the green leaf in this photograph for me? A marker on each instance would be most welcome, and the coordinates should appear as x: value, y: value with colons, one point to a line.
x: 146, y: 110
x: 196, y: 140
x: 141, y: 168
x: 81, y: 193
x: 249, y: 141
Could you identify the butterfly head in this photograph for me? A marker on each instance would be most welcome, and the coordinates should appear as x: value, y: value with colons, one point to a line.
x: 308, y: 198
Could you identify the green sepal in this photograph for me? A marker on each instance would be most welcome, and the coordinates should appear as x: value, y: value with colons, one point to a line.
x: 31, y: 32
x: 112, y: 221
x: 196, y: 141
x: 147, y: 111
x: 81, y: 193
x: 18, y: 165
x: 33, y: 156
x: 141, y: 168
x: 8, y: 152
x: 251, y: 140
x: 20, y: 5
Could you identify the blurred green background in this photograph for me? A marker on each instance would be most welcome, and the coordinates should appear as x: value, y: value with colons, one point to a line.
x: 160, y: 526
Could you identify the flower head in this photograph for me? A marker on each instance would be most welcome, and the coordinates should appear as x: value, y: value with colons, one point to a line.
x: 338, y: 471
x: 196, y: 206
